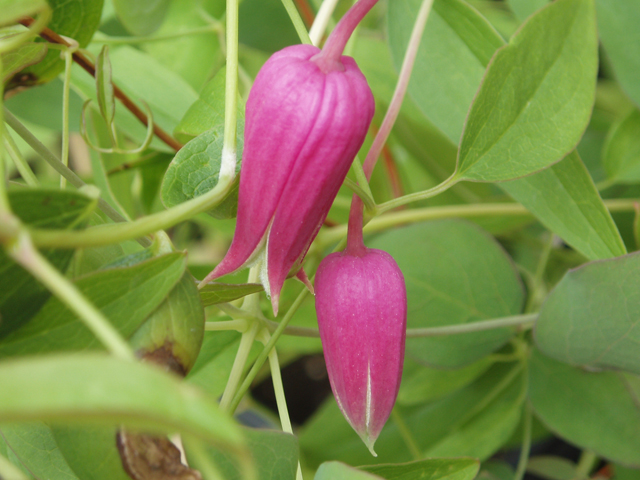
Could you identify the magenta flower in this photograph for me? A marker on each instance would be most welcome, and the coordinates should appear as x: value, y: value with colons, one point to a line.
x: 306, y: 118
x: 361, y: 302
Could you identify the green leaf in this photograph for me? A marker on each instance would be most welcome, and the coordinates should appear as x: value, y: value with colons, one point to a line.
x: 591, y: 317
x: 536, y: 98
x: 274, y: 454
x: 566, y: 201
x: 341, y: 471
x: 258, y: 20
x: 13, y: 10
x: 78, y: 20
x: 617, y: 22
x: 23, y: 56
x: 21, y: 295
x: 207, y: 111
x: 624, y: 473
x: 525, y: 8
x: 104, y: 87
x: 90, y: 451
x: 595, y: 411
x: 474, y: 421
x: 34, y: 444
x: 552, y: 468
x: 141, y: 17
x: 140, y: 76
x: 96, y: 388
x: 431, y: 469
x: 455, y: 273
x: 422, y: 384
x: 195, y: 171
x: 125, y: 295
x: 194, y: 57
x: 621, y: 155
x: 175, y: 327
x: 457, y: 44
x: 214, y: 293
x: 211, y: 371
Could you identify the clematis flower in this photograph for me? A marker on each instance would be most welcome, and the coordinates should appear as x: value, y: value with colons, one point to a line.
x: 361, y: 303
x: 306, y: 118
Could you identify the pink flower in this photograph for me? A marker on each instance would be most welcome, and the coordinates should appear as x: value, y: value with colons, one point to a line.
x: 304, y: 125
x: 361, y: 302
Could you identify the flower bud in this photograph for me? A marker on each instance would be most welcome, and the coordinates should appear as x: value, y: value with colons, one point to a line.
x: 306, y: 118
x: 361, y: 302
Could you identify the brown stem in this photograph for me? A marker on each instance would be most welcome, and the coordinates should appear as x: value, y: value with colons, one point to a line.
x: 306, y: 12
x: 78, y: 57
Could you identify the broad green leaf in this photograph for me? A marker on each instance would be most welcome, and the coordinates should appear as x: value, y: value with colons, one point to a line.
x: 13, y: 10
x: 34, y: 444
x: 208, y: 111
x: 125, y: 295
x: 194, y: 57
x: 431, y: 469
x: 455, y: 273
x: 215, y: 293
x: 551, y: 467
x: 78, y: 20
x: 90, y: 451
x: 342, y: 471
x: 474, y: 421
x: 536, y: 98
x: 525, y: 8
x: 595, y: 411
x: 106, y: 101
x: 195, y: 171
x: 101, y: 389
x: 591, y: 317
x: 141, y: 17
x: 258, y: 20
x: 23, y: 56
x: 496, y: 470
x: 211, y: 371
x: 457, y: 44
x: 624, y: 473
x: 274, y: 455
x: 21, y: 296
x: 423, y: 384
x: 617, y: 22
x: 566, y: 201
x: 176, y: 326
x: 621, y: 155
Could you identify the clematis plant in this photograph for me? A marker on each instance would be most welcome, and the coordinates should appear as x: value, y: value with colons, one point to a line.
x: 306, y: 118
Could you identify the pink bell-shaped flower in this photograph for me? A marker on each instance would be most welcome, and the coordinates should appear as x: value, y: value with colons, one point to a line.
x: 361, y: 302
x: 306, y: 118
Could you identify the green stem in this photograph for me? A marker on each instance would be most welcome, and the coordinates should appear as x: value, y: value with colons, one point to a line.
x: 4, y: 198
x: 526, y: 444
x: 239, y: 325
x: 24, y: 253
x: 246, y: 342
x: 21, y: 164
x: 108, y: 40
x: 415, y: 197
x: 68, y: 63
x: 297, y: 21
x: 262, y: 356
x: 119, y: 232
x: 586, y: 463
x: 406, y: 217
x: 405, y: 433
x: 360, y: 192
x: 514, y: 321
x: 56, y: 163
x: 228, y: 162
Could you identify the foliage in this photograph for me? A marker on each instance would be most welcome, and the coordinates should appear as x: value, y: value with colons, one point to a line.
x: 507, y: 194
